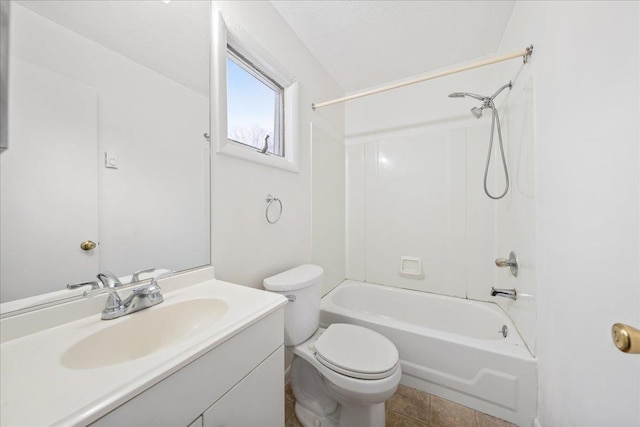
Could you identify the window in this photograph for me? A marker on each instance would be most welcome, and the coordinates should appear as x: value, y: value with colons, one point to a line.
x: 254, y: 106
x: 255, y: 101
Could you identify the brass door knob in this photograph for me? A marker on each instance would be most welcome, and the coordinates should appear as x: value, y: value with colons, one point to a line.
x: 87, y: 245
x: 626, y: 338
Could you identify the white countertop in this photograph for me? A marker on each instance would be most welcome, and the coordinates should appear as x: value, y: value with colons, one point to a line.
x: 36, y: 389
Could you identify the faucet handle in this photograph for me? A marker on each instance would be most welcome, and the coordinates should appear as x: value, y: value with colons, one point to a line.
x: 502, y: 263
x: 511, y: 262
x: 136, y: 275
x: 94, y: 285
x: 154, y: 280
x: 152, y: 291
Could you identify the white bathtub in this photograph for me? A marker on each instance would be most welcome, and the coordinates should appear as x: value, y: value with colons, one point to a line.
x: 450, y: 347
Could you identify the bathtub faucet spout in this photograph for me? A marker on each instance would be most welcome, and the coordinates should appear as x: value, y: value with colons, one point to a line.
x: 506, y: 293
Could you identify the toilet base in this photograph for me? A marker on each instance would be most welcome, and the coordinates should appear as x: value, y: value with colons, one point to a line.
x: 362, y: 415
x: 310, y: 419
x: 349, y: 416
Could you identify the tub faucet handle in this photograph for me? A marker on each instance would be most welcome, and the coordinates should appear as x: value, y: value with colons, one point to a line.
x: 502, y: 263
x: 511, y: 262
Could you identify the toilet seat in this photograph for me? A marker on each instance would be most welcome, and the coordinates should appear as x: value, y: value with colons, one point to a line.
x: 356, y: 352
x: 368, y: 391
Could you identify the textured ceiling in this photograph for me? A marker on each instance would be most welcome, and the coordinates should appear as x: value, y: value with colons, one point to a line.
x: 360, y: 43
x: 170, y: 38
x: 367, y: 43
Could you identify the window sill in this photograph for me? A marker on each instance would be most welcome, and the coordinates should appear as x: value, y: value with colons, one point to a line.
x: 234, y: 149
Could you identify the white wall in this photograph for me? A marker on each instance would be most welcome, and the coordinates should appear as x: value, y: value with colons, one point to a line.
x: 154, y: 209
x: 245, y: 248
x: 586, y: 66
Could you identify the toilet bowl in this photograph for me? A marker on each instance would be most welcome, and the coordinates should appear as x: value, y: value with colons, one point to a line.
x: 342, y: 375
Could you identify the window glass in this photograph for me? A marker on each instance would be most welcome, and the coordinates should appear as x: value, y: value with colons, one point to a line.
x: 254, y: 106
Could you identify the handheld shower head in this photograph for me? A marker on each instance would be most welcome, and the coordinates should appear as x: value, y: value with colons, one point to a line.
x: 463, y: 94
x: 487, y: 102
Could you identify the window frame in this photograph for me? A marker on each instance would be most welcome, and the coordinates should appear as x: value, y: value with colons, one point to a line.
x: 243, y: 45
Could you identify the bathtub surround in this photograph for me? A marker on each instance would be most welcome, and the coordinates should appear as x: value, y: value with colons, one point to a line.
x: 418, y: 191
x: 515, y: 216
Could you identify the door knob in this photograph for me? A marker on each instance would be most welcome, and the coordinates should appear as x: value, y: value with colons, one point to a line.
x: 626, y: 338
x: 87, y: 245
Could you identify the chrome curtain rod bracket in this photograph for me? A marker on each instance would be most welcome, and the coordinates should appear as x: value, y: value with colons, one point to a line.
x: 527, y: 56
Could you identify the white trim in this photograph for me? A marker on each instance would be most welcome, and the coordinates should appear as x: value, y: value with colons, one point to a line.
x: 222, y: 34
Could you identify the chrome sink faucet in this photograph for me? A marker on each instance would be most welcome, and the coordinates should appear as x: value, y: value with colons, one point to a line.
x: 109, y: 280
x: 142, y: 297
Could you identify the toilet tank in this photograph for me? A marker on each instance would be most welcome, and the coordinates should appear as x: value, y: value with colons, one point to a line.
x: 302, y: 286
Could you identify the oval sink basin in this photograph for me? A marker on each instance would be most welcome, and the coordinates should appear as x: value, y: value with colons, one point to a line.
x: 143, y: 333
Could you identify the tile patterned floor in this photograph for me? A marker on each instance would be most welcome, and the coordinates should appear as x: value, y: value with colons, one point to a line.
x: 409, y: 407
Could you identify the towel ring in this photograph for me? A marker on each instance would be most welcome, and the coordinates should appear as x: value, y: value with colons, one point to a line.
x: 270, y: 200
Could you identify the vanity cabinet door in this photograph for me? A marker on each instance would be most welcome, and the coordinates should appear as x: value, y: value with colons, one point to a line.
x: 257, y: 400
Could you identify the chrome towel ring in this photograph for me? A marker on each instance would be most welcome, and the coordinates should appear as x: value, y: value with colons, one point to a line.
x: 270, y: 200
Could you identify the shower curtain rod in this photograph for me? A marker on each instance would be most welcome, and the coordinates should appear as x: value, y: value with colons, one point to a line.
x: 525, y: 54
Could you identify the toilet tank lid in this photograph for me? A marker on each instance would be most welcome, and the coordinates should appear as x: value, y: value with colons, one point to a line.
x: 296, y: 278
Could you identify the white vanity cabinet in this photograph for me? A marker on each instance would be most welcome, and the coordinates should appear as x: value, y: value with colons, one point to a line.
x: 253, y: 401
x: 238, y: 383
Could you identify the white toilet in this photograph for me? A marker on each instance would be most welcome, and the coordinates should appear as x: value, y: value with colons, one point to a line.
x: 342, y: 375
